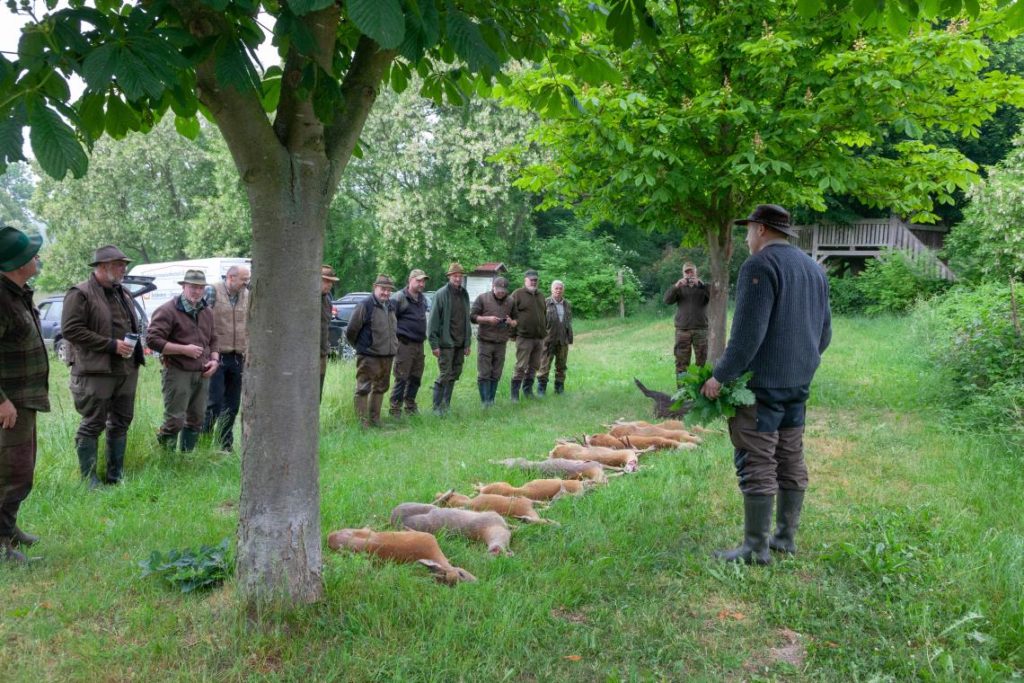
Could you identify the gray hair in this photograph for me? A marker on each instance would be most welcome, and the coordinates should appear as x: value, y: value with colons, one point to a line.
x: 557, y: 282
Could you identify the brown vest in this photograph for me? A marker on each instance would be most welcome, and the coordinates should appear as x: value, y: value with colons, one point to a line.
x: 91, y: 324
x: 231, y: 322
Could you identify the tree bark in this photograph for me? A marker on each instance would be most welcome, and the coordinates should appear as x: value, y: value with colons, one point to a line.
x: 279, y: 553
x: 719, y: 240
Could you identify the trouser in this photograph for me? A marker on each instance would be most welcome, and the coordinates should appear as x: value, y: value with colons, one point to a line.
x: 449, y: 365
x: 768, y: 441
x: 557, y: 353
x: 185, y: 394
x: 225, y: 398
x: 17, y: 466
x: 490, y: 360
x: 323, y: 374
x: 685, y: 339
x: 373, y: 374
x: 104, y: 402
x: 409, y: 363
x: 528, y: 357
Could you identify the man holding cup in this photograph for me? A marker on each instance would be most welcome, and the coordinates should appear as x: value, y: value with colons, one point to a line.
x: 100, y: 324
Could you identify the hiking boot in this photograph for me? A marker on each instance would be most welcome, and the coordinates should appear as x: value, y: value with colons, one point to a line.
x: 757, y: 524
x: 787, y: 520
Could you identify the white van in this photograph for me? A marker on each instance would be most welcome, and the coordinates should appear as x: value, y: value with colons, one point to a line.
x: 170, y: 273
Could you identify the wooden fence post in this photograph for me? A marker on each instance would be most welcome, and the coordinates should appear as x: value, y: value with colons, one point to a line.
x: 622, y: 295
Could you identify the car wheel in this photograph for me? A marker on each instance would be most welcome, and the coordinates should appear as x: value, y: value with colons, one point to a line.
x: 60, y: 347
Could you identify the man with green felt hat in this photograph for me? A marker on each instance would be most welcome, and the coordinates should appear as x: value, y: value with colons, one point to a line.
x: 24, y: 385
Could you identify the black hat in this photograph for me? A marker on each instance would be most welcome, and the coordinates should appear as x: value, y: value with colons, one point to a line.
x: 772, y: 216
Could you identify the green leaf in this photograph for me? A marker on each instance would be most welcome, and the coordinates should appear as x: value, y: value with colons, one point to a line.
x: 233, y: 67
x: 973, y: 7
x: 11, y: 141
x: 120, y: 118
x: 301, y: 7
x: 381, y: 20
x: 54, y: 143
x: 187, y: 127
x: 468, y: 44
x: 91, y: 115
x: 864, y: 8
x: 808, y: 8
x: 98, y: 67
x: 32, y: 49
x: 135, y: 78
x: 422, y: 30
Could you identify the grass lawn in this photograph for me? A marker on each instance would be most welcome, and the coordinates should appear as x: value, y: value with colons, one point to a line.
x: 910, y: 566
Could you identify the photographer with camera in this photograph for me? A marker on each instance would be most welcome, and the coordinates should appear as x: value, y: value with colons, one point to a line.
x: 490, y: 312
x: 691, y: 297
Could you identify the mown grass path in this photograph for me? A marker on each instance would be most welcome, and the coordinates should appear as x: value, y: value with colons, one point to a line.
x: 911, y: 562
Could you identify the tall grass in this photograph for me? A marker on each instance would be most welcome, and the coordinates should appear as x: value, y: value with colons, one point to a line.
x: 910, y: 564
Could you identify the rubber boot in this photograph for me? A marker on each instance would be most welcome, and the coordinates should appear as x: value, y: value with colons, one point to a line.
x: 449, y: 387
x: 528, y: 388
x: 167, y: 442
x: 376, y: 401
x: 115, y: 458
x: 189, y: 438
x: 787, y: 520
x: 559, y: 386
x: 542, y: 387
x: 397, y: 398
x: 411, y: 389
x: 493, y: 391
x: 484, y: 387
x: 86, y: 447
x: 516, y: 383
x: 757, y: 525
x: 22, y: 538
x: 8, y: 554
x: 438, y: 398
x: 362, y: 404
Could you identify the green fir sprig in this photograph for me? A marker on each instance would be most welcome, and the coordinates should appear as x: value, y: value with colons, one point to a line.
x: 703, y: 410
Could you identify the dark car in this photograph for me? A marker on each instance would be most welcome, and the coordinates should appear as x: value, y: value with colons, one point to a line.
x: 51, y: 308
x: 342, y: 313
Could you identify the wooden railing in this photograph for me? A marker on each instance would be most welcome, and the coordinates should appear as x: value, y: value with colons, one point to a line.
x: 869, y: 238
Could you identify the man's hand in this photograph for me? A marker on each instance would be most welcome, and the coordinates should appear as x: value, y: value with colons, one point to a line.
x: 210, y: 368
x: 681, y: 282
x: 711, y: 388
x: 191, y: 350
x: 124, y: 349
x: 8, y: 414
x: 436, y: 352
x: 511, y: 322
x: 467, y: 351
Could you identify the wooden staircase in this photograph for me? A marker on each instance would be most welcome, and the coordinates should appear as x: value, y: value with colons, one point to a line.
x: 870, y: 238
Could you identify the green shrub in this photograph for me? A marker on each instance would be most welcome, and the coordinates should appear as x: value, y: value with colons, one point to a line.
x: 894, y: 282
x: 974, y: 339
x: 845, y: 295
x: 190, y: 570
x: 589, y: 265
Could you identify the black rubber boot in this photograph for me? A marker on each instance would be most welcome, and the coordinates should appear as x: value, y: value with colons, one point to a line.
x: 9, y: 554
x: 438, y: 398
x: 411, y: 389
x: 516, y: 383
x: 189, y: 438
x: 115, y: 458
x: 484, y: 387
x: 542, y: 388
x: 787, y: 520
x: 22, y: 538
x: 86, y: 447
x: 559, y: 386
x: 528, y: 388
x: 168, y: 442
x: 448, y: 389
x: 494, y: 390
x: 757, y: 524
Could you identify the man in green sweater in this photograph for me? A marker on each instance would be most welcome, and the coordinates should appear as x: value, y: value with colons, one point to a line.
x: 450, y: 335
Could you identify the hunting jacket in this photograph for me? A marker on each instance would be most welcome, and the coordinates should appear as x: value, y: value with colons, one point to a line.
x: 559, y: 331
x: 171, y: 323
x: 94, y: 319
x: 24, y: 364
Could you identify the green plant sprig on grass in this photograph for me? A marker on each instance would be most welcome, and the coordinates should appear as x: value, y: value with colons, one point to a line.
x: 703, y: 410
x: 189, y: 570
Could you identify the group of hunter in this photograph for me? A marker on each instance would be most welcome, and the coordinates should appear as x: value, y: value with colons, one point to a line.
x: 781, y: 327
x: 389, y: 331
